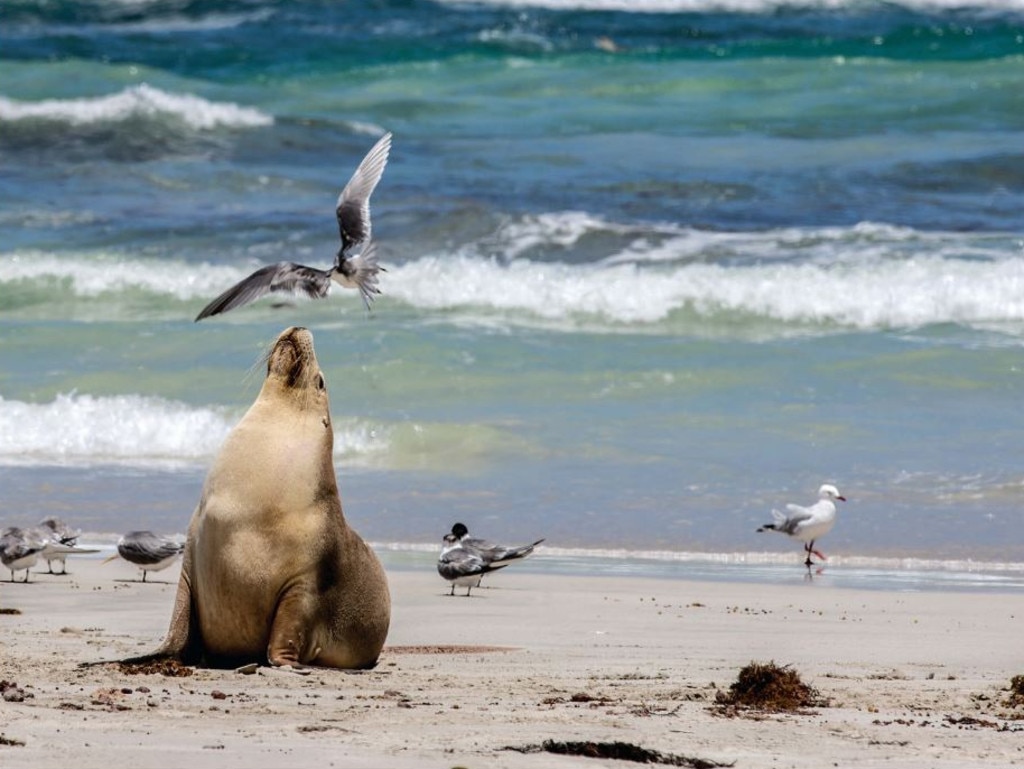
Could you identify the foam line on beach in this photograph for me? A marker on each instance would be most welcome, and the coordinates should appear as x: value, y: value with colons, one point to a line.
x: 846, y: 571
x: 886, y: 563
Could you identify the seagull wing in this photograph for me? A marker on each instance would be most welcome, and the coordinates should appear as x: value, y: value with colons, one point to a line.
x: 797, y: 515
x: 17, y: 543
x: 353, y: 208
x: 459, y: 562
x: 146, y: 548
x: 57, y: 531
x: 498, y: 554
x: 478, y: 544
x: 283, y: 276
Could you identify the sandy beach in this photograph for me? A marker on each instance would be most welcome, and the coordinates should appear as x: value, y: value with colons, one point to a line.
x: 912, y: 679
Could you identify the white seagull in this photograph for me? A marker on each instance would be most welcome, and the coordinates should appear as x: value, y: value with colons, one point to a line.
x: 462, y: 566
x: 147, y: 550
x: 20, y: 549
x: 808, y: 523
x: 352, y: 271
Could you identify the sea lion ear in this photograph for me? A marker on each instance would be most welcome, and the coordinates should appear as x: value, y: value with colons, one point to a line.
x: 321, y: 383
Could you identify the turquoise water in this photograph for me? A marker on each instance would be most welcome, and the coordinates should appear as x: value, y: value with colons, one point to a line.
x: 653, y: 268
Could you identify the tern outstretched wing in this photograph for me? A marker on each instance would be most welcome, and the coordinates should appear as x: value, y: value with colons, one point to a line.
x: 283, y: 276
x: 353, y: 208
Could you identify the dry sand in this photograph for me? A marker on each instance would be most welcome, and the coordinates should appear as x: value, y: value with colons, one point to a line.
x: 914, y: 679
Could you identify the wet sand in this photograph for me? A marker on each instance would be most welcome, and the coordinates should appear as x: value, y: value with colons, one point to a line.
x: 912, y: 679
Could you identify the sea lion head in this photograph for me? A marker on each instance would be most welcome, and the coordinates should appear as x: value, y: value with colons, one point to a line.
x: 293, y: 370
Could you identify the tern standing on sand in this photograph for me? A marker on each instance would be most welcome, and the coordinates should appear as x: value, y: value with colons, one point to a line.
x: 352, y: 271
x: 60, y: 541
x: 147, y: 550
x: 462, y: 566
x: 20, y: 549
x: 492, y: 554
x: 808, y: 523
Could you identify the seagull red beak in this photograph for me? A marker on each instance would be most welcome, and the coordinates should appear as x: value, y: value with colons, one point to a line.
x: 841, y: 499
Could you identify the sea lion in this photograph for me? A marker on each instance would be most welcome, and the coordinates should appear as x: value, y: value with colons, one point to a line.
x: 272, y: 572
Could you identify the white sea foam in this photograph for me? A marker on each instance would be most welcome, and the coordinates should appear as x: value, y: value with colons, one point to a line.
x: 365, y: 128
x: 179, y: 23
x: 563, y: 229
x: 128, y: 429
x: 137, y: 430
x: 854, y: 571
x: 136, y: 101
x: 870, y: 293
x: 778, y: 558
x: 814, y: 280
x: 93, y: 275
x: 516, y: 39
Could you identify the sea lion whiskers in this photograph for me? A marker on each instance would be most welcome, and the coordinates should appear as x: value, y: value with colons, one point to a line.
x: 259, y: 367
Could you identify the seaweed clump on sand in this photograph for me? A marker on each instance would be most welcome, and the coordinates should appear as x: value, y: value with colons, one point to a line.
x: 767, y: 688
x: 167, y: 666
x: 619, y: 751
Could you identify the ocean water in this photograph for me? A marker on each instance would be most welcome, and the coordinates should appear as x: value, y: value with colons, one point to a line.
x: 653, y: 269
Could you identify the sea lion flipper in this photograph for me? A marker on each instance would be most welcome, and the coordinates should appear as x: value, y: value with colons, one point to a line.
x: 182, y: 640
x: 287, y: 645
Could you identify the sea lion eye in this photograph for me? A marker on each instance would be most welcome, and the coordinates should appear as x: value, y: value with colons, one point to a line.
x: 320, y: 384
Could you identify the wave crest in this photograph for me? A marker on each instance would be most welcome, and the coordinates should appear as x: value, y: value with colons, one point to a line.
x: 577, y: 272
x: 135, y: 430
x: 866, y: 277
x: 136, y: 101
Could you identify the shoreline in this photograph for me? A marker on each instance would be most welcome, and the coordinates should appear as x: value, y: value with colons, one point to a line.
x: 876, y: 573
x: 912, y: 678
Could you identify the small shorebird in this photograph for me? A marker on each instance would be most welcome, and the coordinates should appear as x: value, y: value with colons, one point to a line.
x: 20, y: 549
x: 808, y: 523
x: 352, y: 271
x: 462, y: 566
x: 490, y: 552
x: 60, y: 541
x: 148, y: 551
